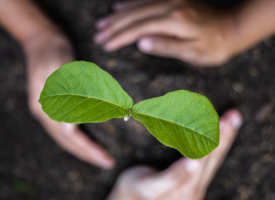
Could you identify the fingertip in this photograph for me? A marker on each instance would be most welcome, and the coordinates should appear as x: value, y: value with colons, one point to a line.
x: 230, y: 122
x: 90, y: 152
x: 235, y: 118
x: 107, y: 163
x: 102, y: 158
x: 145, y: 44
x: 99, y: 38
x: 101, y: 23
x: 191, y: 166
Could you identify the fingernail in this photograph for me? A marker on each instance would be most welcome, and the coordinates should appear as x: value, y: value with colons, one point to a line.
x: 107, y: 164
x: 190, y: 165
x: 145, y: 44
x: 99, y: 38
x: 101, y: 23
x: 69, y: 128
x: 236, y: 120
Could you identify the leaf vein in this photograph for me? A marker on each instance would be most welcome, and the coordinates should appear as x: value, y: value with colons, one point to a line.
x: 78, y: 81
x: 168, y: 132
x: 52, y: 104
x: 187, y: 139
x: 73, y: 108
x: 87, y: 110
x: 196, y: 117
x: 86, y: 97
x: 174, y: 123
x: 180, y: 100
x: 93, y: 80
x: 197, y: 143
x: 187, y: 109
x: 205, y: 123
x: 61, y: 106
x: 65, y: 80
x: 61, y: 85
x: 110, y: 87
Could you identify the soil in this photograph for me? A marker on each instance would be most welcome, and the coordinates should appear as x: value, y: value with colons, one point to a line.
x: 33, y: 167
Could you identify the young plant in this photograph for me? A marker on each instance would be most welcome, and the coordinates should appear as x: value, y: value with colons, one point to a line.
x: 81, y: 92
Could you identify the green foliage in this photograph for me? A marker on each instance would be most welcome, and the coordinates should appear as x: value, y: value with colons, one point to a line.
x: 81, y: 92
x: 183, y: 120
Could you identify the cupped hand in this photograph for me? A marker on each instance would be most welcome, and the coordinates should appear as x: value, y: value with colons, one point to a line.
x: 181, y: 29
x: 47, y: 52
x: 185, y: 179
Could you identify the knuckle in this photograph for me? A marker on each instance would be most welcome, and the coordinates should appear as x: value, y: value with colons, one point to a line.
x: 157, y: 46
x: 220, y: 58
x: 203, y: 56
x: 191, y: 56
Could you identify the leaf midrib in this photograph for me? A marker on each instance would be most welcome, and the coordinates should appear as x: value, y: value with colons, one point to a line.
x: 86, y: 97
x: 172, y: 122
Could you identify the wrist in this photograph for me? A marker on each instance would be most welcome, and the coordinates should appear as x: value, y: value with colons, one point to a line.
x: 43, y: 38
x: 37, y: 36
x: 253, y: 22
x: 24, y: 20
x: 47, y: 47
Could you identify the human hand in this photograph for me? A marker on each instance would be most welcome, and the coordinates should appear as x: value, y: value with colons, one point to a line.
x: 185, y: 179
x: 46, y: 53
x: 181, y: 29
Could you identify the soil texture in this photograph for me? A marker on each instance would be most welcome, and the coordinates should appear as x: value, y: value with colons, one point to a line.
x: 33, y: 167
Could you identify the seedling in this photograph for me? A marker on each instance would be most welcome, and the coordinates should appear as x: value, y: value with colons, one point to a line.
x: 81, y: 92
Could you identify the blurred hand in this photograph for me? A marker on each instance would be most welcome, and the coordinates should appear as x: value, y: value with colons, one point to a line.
x: 180, y: 29
x: 186, y: 179
x: 46, y: 53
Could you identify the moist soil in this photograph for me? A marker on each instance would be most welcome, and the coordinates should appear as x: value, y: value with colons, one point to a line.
x: 33, y: 166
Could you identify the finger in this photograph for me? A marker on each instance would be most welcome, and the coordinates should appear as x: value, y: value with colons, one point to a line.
x: 149, y: 27
x: 177, y: 173
x: 169, y: 47
x: 76, y: 142
x: 158, y: 184
x: 230, y: 123
x: 67, y: 135
x: 121, y: 20
x: 196, y: 186
x: 130, y: 184
x: 82, y: 147
x: 181, y: 172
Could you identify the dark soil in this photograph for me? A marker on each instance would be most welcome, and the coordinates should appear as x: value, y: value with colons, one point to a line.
x: 32, y: 166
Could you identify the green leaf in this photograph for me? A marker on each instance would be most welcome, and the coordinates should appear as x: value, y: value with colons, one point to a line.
x: 81, y: 92
x: 183, y: 120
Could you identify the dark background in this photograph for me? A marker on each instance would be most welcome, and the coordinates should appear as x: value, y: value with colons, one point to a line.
x: 32, y: 166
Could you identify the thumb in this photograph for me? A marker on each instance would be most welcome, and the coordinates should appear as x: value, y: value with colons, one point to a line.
x: 73, y: 140
x: 81, y: 146
x: 160, y: 183
x: 178, y: 171
x: 168, y: 47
